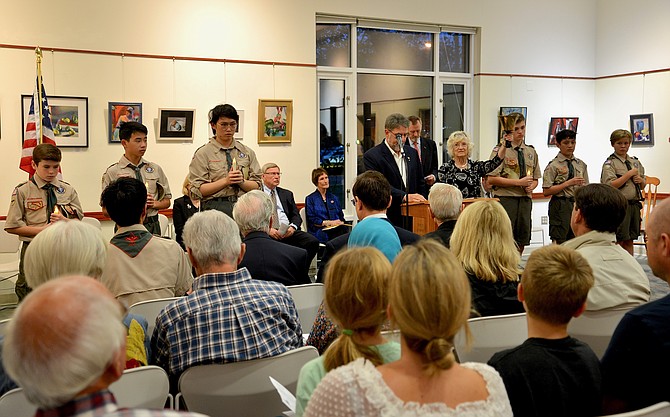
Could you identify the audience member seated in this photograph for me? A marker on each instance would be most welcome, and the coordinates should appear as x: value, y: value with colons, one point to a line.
x: 430, y: 305
x: 446, y: 203
x: 286, y: 218
x: 552, y: 374
x: 638, y: 357
x: 229, y: 316
x: 483, y: 242
x: 325, y: 218
x: 182, y: 209
x: 265, y: 258
x: 82, y: 349
x: 372, y: 196
x: 140, y: 266
x: 77, y: 248
x: 356, y: 293
x: 620, y: 281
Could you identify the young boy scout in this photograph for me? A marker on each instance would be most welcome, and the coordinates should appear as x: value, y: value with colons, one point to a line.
x: 561, y: 177
x: 39, y: 202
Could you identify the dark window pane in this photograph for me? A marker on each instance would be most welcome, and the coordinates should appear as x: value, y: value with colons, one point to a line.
x: 331, y: 144
x: 394, y: 49
x: 453, y: 97
x: 454, y: 52
x: 333, y: 45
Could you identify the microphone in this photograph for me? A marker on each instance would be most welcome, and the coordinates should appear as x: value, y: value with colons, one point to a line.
x: 398, y: 137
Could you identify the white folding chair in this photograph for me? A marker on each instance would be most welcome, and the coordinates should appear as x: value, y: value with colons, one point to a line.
x: 595, y: 328
x: 303, y: 216
x: 307, y: 299
x: 3, y: 326
x: 143, y: 387
x: 164, y: 222
x: 490, y: 335
x: 242, y: 388
x: 92, y: 221
x: 9, y: 253
x: 661, y: 409
x: 150, y: 309
x: 15, y: 404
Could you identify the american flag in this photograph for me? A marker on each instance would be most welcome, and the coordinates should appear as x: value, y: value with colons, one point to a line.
x: 33, y: 127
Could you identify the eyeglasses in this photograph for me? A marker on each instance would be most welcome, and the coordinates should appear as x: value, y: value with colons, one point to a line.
x: 224, y: 125
x: 273, y: 173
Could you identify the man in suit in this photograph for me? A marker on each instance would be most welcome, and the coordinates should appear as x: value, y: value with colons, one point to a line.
x: 372, y: 196
x: 400, y: 165
x: 286, y: 218
x: 426, y: 148
x: 267, y: 259
x: 446, y: 203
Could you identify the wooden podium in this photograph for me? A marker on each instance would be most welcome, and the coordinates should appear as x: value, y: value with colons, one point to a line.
x: 422, y: 219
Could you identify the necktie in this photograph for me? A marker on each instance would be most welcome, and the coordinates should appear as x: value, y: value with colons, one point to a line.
x: 522, y: 162
x: 138, y: 172
x: 571, y: 169
x: 275, y: 216
x: 416, y: 146
x: 229, y: 159
x: 51, y: 198
x: 638, y: 192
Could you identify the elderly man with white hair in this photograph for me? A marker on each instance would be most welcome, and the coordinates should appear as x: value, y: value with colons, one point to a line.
x: 446, y: 203
x: 81, y: 350
x: 229, y: 316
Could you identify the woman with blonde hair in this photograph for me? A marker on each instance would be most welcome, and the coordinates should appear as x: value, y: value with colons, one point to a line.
x: 356, y: 297
x: 429, y: 301
x: 484, y: 244
x: 461, y: 171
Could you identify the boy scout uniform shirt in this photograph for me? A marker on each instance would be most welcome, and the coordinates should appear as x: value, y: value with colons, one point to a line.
x: 557, y: 172
x: 614, y: 167
x: 209, y: 164
x: 152, y: 176
x: 28, y: 205
x: 510, y: 169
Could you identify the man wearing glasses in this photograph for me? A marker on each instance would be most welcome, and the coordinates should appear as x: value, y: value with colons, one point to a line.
x: 400, y: 165
x: 223, y: 169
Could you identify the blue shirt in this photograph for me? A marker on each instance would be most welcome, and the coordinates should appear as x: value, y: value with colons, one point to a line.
x: 229, y: 317
x: 317, y: 211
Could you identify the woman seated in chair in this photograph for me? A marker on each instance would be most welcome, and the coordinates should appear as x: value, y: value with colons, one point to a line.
x: 429, y: 301
x: 325, y: 218
x: 483, y: 243
x: 356, y: 288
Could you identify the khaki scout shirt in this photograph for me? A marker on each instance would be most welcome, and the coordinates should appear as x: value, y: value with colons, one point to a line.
x: 614, y: 167
x: 142, y: 267
x: 209, y: 165
x: 510, y: 169
x: 28, y: 205
x: 152, y: 176
x: 557, y: 173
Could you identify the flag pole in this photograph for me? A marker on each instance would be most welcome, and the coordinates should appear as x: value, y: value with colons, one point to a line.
x: 38, y: 53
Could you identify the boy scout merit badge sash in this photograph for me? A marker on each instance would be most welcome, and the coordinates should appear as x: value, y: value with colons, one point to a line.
x: 132, y: 242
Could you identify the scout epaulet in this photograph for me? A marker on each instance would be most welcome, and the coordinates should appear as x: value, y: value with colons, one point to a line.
x: 18, y: 186
x: 196, y: 151
x: 530, y: 146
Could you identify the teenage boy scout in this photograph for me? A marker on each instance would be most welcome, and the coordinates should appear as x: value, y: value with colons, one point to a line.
x: 38, y: 202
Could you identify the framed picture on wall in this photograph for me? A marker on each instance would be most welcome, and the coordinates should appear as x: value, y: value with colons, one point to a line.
x: 69, y: 119
x: 506, y: 111
x: 120, y: 113
x: 239, y: 131
x: 176, y: 124
x: 556, y: 124
x: 275, y: 121
x: 642, y: 128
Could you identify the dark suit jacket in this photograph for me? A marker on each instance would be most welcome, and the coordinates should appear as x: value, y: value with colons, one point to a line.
x: 270, y: 260
x: 334, y: 245
x: 443, y: 232
x: 182, y: 210
x: 428, y: 157
x: 380, y: 159
x: 290, y: 208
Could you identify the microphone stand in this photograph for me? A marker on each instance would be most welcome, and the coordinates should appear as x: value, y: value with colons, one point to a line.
x: 405, y: 159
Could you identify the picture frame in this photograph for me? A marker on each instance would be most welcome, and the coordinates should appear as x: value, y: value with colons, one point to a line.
x: 642, y: 128
x: 506, y: 111
x: 120, y: 112
x: 239, y: 132
x: 69, y: 119
x: 176, y: 124
x: 556, y: 124
x: 275, y: 121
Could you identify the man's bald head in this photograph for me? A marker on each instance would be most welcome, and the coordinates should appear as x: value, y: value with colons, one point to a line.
x: 62, y: 338
x: 658, y: 240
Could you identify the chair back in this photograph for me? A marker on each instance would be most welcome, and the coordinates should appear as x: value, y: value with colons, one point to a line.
x: 303, y: 216
x: 490, y: 335
x: 307, y: 299
x: 243, y: 388
x: 14, y: 403
x: 595, y: 328
x: 143, y: 387
x: 165, y: 225
x: 92, y: 221
x: 661, y: 409
x: 9, y: 243
x: 150, y: 309
x: 3, y: 326
x: 649, y: 194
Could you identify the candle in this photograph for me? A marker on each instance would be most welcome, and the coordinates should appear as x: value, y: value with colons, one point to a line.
x: 234, y: 165
x: 56, y: 211
x: 529, y: 172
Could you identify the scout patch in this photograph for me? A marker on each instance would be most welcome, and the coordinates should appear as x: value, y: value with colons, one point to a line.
x: 34, y: 204
x: 241, y: 155
x: 510, y: 162
x: 60, y: 189
x: 149, y: 169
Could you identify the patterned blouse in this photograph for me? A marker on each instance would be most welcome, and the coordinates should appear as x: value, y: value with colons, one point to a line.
x: 469, y: 179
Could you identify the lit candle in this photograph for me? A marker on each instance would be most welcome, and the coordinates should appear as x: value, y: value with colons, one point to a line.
x: 56, y: 211
x: 529, y: 172
x: 234, y: 164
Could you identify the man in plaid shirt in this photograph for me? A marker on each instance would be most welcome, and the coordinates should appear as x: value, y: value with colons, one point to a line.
x: 229, y: 317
